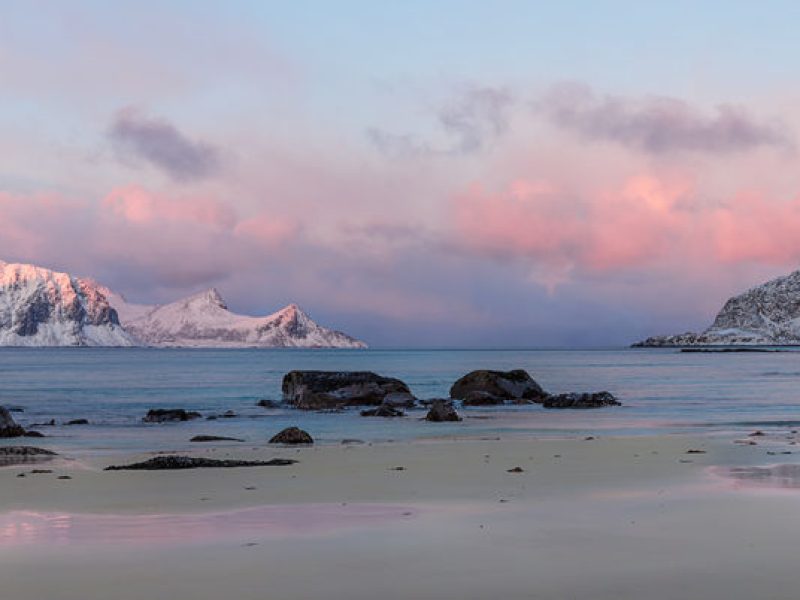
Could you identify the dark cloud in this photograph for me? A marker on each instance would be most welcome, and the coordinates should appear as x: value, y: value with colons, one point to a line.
x: 469, y: 122
x: 160, y: 144
x: 658, y: 124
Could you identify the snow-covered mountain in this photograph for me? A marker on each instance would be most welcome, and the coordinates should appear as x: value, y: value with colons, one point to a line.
x: 40, y: 307
x: 203, y: 320
x: 768, y: 314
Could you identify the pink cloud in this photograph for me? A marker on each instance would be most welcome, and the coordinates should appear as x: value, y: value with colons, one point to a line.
x: 267, y: 230
x: 136, y: 205
x: 752, y: 228
x: 644, y: 222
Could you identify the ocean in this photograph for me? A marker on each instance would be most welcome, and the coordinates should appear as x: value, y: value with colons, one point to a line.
x: 662, y: 390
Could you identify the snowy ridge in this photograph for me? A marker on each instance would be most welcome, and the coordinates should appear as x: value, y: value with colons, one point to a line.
x: 768, y: 314
x: 203, y: 320
x: 40, y: 307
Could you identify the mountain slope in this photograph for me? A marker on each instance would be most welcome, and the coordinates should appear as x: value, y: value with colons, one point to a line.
x: 40, y: 307
x: 768, y: 314
x: 203, y: 320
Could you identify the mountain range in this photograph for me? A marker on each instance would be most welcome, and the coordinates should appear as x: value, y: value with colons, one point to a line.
x: 766, y: 315
x: 41, y: 307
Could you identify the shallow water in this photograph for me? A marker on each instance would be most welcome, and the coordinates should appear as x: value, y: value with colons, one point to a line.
x: 662, y: 391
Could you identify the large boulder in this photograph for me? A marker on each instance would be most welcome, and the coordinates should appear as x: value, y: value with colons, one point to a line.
x: 292, y: 435
x: 514, y: 386
x: 318, y: 390
x: 584, y: 400
x: 441, y: 411
x: 165, y: 415
x: 9, y: 427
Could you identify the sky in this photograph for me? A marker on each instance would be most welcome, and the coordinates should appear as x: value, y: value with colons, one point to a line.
x: 417, y: 174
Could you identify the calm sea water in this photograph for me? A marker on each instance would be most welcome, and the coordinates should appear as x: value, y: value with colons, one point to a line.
x: 662, y: 391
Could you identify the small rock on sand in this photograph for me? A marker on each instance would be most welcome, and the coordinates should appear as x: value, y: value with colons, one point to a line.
x: 292, y: 435
x: 214, y: 438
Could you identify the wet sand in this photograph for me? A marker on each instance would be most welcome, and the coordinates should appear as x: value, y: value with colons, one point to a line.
x: 631, y: 517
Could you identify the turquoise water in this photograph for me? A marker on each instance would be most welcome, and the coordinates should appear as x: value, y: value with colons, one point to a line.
x: 662, y: 391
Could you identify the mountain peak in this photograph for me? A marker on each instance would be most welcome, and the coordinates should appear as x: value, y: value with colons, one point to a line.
x: 210, y: 297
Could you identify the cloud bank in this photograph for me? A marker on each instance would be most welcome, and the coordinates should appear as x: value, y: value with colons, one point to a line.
x: 658, y: 125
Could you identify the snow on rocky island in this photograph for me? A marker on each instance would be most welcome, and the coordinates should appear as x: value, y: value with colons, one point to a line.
x: 766, y: 315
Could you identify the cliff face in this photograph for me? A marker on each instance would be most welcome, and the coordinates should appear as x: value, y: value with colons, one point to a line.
x: 40, y: 307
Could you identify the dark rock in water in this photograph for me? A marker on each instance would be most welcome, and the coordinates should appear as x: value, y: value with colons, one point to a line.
x: 8, y: 427
x: 34, y: 434
x: 476, y: 398
x: 399, y: 400
x: 228, y: 414
x: 292, y: 435
x: 383, y: 411
x: 164, y: 415
x: 50, y: 423
x: 214, y: 438
x: 17, y: 455
x: 173, y: 462
x: 442, y: 410
x: 17, y: 409
x: 515, y: 386
x: 515, y: 470
x: 267, y: 403
x: 315, y: 390
x: 77, y: 422
x: 348, y: 441
x: 584, y: 400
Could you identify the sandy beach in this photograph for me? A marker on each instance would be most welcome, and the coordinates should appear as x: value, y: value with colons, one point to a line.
x: 625, y: 517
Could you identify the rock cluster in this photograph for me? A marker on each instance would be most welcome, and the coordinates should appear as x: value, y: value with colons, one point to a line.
x: 323, y: 390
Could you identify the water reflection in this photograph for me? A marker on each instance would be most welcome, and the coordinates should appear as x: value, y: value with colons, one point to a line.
x: 775, y: 476
x: 25, y: 527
